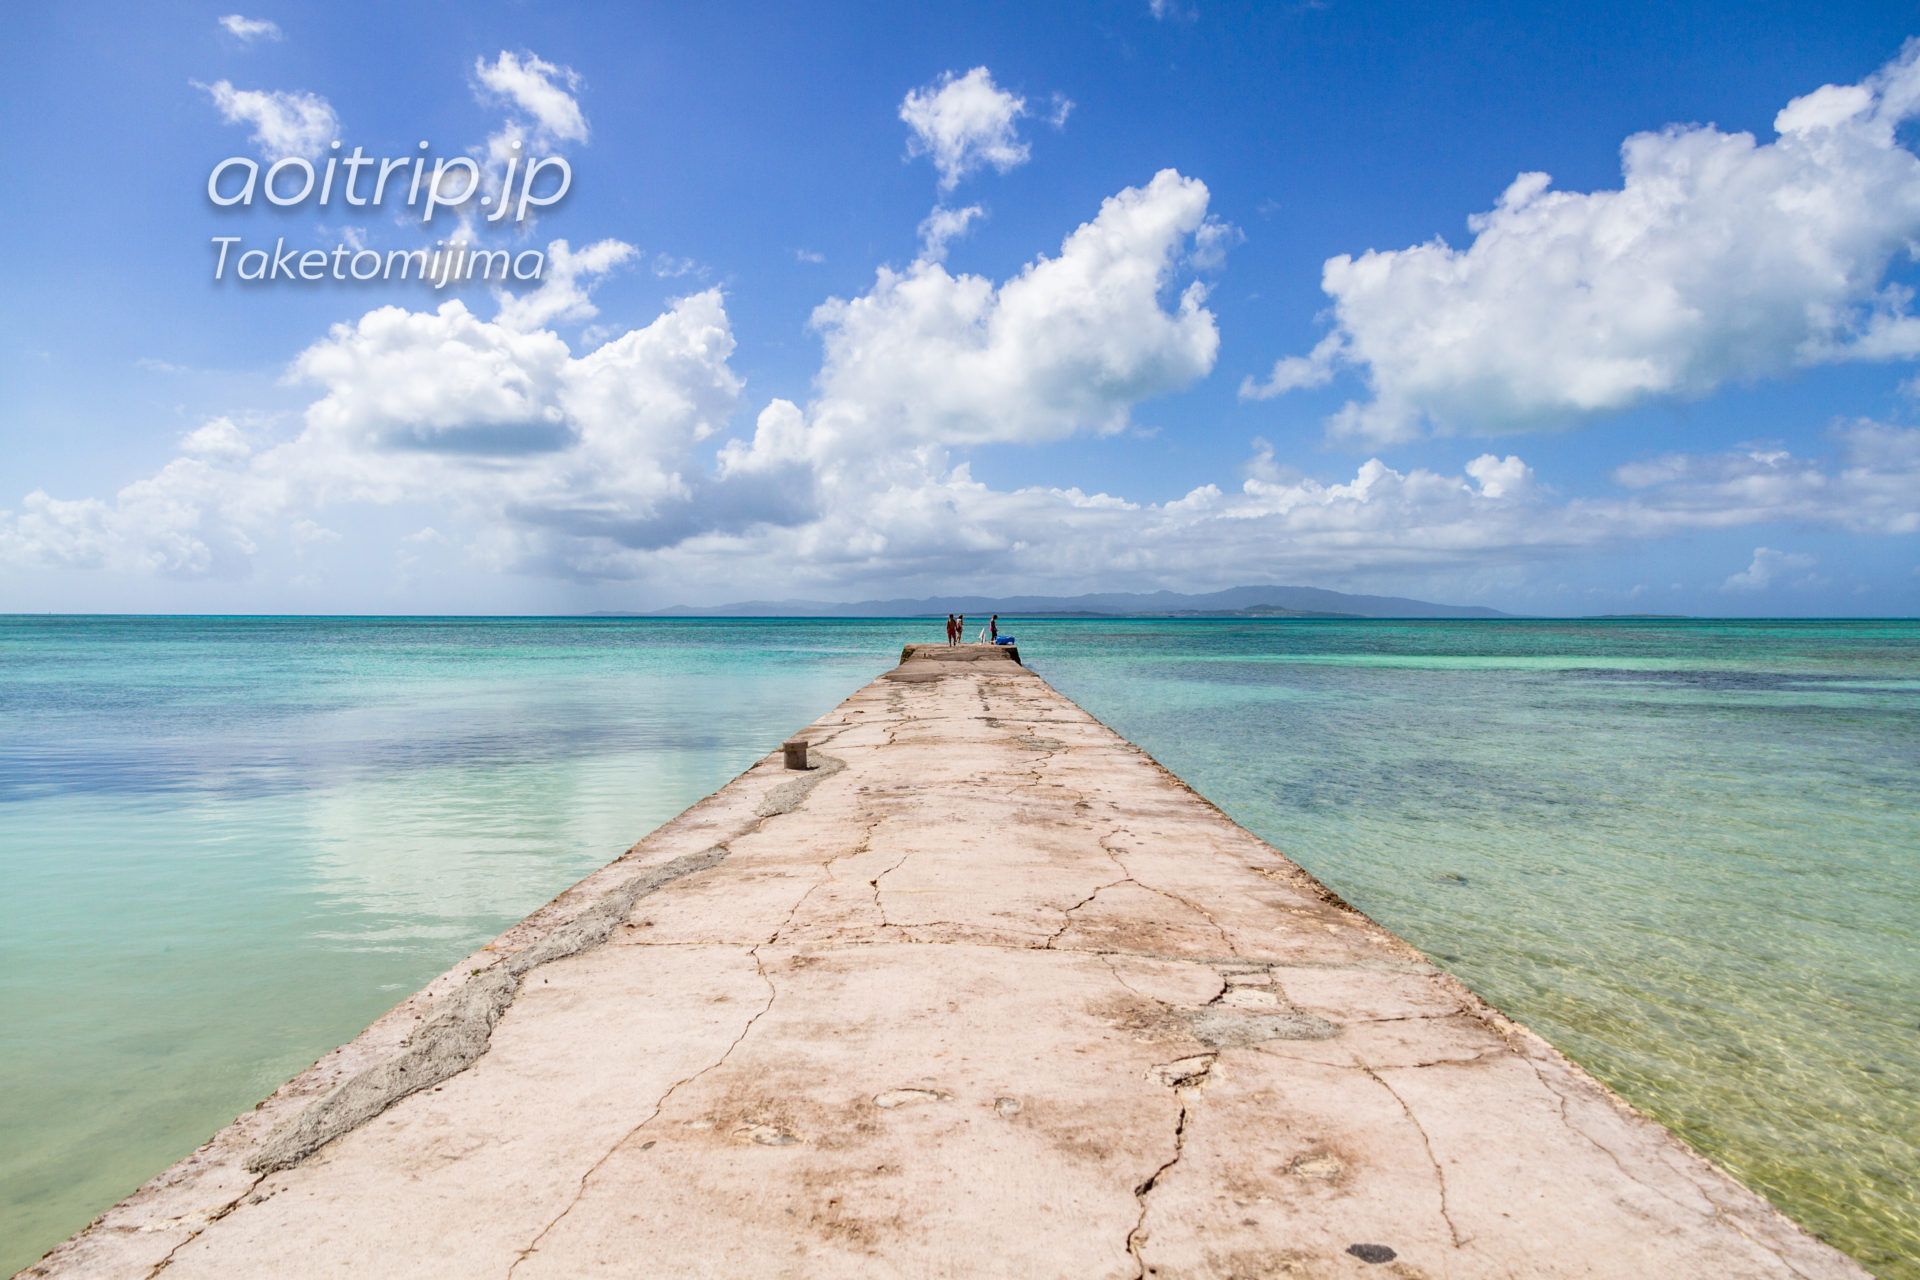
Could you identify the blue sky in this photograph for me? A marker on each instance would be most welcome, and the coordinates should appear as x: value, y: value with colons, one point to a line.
x: 1246, y: 294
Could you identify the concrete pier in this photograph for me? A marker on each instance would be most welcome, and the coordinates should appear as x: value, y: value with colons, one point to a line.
x: 983, y: 991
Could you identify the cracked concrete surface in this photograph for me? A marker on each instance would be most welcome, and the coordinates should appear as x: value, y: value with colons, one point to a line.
x: 988, y: 994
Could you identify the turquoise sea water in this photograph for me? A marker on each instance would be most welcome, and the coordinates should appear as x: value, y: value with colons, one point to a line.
x: 1687, y: 853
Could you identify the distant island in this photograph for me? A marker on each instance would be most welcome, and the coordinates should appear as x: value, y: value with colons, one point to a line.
x: 1235, y: 602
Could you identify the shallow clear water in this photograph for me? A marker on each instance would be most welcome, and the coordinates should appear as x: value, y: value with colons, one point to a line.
x: 1687, y: 853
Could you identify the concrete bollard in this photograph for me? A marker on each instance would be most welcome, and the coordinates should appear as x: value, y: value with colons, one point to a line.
x: 796, y: 749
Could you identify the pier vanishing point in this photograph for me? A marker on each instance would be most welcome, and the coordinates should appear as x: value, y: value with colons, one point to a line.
x: 982, y: 991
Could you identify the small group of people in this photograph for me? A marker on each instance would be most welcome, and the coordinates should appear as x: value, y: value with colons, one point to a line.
x: 957, y: 629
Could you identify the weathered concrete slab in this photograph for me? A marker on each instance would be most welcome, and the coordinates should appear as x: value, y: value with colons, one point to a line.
x: 986, y: 993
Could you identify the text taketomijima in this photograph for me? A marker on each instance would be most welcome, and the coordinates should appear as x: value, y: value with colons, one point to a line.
x: 440, y: 266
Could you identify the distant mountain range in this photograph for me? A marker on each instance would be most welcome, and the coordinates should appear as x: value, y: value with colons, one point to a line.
x: 1236, y: 602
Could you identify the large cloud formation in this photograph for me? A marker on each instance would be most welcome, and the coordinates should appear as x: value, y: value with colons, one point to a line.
x: 502, y: 425
x: 1070, y: 344
x: 585, y: 464
x: 1720, y: 259
x: 614, y: 459
x: 588, y: 466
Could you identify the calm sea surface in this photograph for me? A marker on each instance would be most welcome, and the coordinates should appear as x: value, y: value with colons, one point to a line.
x: 1688, y: 853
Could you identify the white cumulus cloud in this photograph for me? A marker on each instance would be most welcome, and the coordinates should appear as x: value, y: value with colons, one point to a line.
x: 563, y: 294
x: 444, y: 406
x: 1767, y: 567
x: 248, y: 30
x: 943, y: 225
x: 966, y: 121
x: 1872, y: 485
x: 1720, y: 258
x: 555, y: 459
x: 284, y: 124
x: 541, y: 91
x: 1070, y: 344
x: 217, y: 439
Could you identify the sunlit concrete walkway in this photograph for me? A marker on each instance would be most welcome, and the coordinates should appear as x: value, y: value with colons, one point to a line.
x: 985, y: 992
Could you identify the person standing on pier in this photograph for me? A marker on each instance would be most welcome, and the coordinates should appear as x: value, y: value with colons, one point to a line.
x: 960, y: 630
x: 993, y: 629
x: 951, y: 629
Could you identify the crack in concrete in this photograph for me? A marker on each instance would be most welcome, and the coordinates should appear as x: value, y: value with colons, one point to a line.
x: 1566, y: 1122
x: 659, y: 1106
x: 1195, y: 907
x: 1409, y: 1017
x: 1066, y: 917
x: 1106, y: 958
x: 800, y: 902
x: 1204, y: 913
x: 1185, y: 1077
x: 874, y: 884
x: 1138, y: 1236
x: 1440, y: 1175
x: 225, y: 1209
x: 1112, y: 856
x: 826, y: 866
